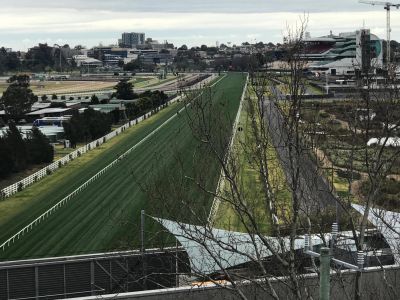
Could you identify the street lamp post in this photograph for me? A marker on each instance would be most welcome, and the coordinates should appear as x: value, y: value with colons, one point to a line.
x: 59, y: 48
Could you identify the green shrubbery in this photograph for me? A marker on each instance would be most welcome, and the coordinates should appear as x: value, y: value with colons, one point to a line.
x: 388, y: 195
x: 17, y: 154
x: 348, y: 174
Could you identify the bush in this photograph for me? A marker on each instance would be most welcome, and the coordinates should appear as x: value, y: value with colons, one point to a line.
x: 388, y: 196
x: 324, y: 115
x: 48, y: 171
x: 391, y: 187
x: 348, y: 174
x: 20, y: 186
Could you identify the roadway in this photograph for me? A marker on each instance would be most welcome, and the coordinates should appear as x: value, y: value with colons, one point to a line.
x: 313, y: 189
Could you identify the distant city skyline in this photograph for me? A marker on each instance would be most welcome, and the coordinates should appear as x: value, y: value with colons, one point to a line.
x: 180, y: 22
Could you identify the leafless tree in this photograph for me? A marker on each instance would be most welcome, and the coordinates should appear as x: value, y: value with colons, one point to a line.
x: 273, y: 184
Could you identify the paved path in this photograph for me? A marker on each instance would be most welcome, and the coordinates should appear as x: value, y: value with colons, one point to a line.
x: 313, y: 189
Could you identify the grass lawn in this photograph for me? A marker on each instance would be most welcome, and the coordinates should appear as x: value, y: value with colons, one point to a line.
x: 106, y: 215
x: 250, y: 184
x: 170, y: 78
x: 145, y: 82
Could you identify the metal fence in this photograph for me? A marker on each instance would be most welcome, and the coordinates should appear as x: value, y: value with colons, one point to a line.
x: 89, y: 275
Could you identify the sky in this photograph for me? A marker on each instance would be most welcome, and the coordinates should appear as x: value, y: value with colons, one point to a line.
x: 25, y: 23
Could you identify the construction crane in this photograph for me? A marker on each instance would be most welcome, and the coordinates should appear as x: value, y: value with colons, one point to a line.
x: 387, y: 6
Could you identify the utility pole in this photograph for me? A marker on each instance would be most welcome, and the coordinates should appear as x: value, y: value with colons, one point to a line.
x: 324, y: 274
x: 325, y: 257
x: 142, y: 216
x: 142, y: 248
x: 59, y: 49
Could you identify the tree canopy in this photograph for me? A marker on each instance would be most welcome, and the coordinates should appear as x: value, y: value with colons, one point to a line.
x: 18, y: 98
x: 125, y: 90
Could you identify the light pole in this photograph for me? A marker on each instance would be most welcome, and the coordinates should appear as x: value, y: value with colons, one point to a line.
x: 59, y: 48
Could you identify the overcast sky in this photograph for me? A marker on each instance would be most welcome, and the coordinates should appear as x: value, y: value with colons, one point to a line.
x: 25, y: 23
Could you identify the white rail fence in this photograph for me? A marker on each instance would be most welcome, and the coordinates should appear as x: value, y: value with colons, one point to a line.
x: 220, y: 186
x: 86, y: 148
x: 26, y: 182
x: 66, y: 199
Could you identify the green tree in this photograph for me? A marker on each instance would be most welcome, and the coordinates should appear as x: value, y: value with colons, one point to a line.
x: 19, y: 151
x: 41, y: 58
x: 8, y: 61
x: 6, y: 160
x: 88, y: 126
x: 134, y: 65
x: 94, y: 100
x: 39, y: 148
x: 125, y: 90
x: 18, y: 98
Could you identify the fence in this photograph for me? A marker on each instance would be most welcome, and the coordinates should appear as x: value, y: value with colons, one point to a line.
x: 88, y: 147
x: 216, y: 201
x: 92, y: 145
x: 376, y: 283
x: 20, y: 185
x: 89, y: 275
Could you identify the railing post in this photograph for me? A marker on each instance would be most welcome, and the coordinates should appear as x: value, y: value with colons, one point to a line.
x: 325, y: 270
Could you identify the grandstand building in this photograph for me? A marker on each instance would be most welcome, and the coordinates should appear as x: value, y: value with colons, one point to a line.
x: 345, y: 53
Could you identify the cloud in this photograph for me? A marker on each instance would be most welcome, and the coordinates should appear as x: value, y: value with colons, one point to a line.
x: 78, y: 23
x: 72, y: 20
x: 204, y: 6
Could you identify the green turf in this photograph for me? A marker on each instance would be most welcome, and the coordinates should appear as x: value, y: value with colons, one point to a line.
x: 249, y: 181
x: 106, y: 215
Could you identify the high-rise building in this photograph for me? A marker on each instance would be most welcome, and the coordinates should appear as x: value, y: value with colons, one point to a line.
x: 132, y: 39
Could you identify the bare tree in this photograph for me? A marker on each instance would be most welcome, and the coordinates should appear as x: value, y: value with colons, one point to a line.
x: 273, y: 182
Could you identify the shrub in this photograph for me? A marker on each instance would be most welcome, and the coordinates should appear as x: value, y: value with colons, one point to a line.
x: 348, y: 174
x: 48, y: 171
x: 20, y: 186
x: 324, y: 115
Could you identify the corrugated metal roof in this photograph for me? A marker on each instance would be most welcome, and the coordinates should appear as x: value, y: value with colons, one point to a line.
x: 50, y: 110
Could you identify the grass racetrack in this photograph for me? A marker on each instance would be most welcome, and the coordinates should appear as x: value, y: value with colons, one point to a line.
x: 106, y: 215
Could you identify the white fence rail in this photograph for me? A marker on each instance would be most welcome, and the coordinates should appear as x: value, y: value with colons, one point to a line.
x: 24, y: 183
x: 84, y: 149
x: 92, y: 145
x: 221, y: 181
